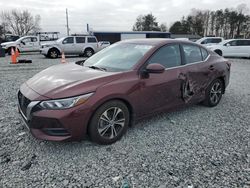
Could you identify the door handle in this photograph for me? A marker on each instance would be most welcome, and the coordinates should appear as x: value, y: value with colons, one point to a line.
x: 211, y: 67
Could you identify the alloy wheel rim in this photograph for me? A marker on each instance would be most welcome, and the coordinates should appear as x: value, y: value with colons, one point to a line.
x: 111, y: 123
x: 89, y: 53
x: 215, y: 93
x: 53, y: 54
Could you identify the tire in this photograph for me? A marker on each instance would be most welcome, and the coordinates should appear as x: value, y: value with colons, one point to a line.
x: 107, y: 128
x: 219, y: 52
x: 53, y: 53
x: 88, y: 52
x: 214, y: 93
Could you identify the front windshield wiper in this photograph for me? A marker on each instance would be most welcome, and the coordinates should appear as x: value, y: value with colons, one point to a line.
x: 98, y: 68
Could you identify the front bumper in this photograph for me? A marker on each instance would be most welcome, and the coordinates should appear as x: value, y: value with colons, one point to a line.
x: 44, y: 51
x: 54, y: 125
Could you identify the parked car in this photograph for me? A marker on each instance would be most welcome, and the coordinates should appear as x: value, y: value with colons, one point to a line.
x: 23, y: 44
x: 207, y: 41
x: 71, y: 45
x: 123, y: 83
x: 103, y: 44
x: 9, y: 38
x: 232, y: 48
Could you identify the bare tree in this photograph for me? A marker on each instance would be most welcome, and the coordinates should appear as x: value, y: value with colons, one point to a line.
x: 21, y: 22
x: 163, y: 27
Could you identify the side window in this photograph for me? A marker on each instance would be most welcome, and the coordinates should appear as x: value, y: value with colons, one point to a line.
x: 204, y: 54
x: 168, y: 56
x: 92, y: 40
x: 243, y: 43
x: 26, y: 40
x: 33, y: 39
x: 192, y: 53
x: 232, y: 43
x: 80, y: 39
x: 204, y: 41
x: 68, y: 40
x: 218, y: 40
x: 247, y: 42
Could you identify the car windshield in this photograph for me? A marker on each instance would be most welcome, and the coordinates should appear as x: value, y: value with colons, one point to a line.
x: 60, y: 39
x: 224, y: 42
x: 118, y: 57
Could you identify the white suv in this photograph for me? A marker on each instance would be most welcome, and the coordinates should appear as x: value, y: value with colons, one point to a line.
x: 71, y: 45
x: 207, y: 41
x: 232, y: 48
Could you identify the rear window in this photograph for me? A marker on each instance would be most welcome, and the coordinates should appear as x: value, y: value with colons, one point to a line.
x: 211, y: 40
x: 33, y: 39
x: 218, y: 40
x: 80, y: 39
x: 92, y: 40
x: 192, y: 53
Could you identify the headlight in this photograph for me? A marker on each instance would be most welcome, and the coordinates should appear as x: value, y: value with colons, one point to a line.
x: 59, y: 104
x: 3, y: 46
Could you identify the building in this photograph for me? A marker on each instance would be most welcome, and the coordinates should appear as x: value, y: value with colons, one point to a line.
x: 113, y: 37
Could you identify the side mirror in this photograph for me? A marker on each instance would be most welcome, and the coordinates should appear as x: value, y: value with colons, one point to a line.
x: 155, y: 68
x: 23, y: 42
x: 228, y: 45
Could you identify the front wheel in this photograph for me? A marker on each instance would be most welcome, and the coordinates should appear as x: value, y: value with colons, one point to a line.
x: 214, y: 93
x: 109, y: 122
x: 88, y: 52
x: 53, y: 53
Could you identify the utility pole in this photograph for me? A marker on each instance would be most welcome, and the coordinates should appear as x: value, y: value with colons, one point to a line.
x: 87, y: 27
x: 67, y: 21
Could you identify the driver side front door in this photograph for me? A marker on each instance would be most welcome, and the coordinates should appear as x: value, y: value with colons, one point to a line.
x: 162, y: 91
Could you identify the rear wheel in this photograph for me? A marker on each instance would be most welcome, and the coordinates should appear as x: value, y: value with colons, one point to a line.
x: 214, y: 93
x: 109, y: 122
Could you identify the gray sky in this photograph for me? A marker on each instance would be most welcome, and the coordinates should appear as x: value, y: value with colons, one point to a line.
x: 110, y: 15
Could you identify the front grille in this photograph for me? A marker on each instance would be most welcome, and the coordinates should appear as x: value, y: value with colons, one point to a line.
x: 23, y: 102
x: 56, y: 132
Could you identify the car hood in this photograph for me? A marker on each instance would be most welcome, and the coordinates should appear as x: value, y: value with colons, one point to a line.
x: 213, y: 46
x: 8, y: 43
x: 50, y: 43
x: 66, y: 80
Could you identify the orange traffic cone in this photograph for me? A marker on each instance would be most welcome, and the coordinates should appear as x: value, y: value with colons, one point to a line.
x: 17, y: 52
x: 63, y: 60
x: 13, y: 57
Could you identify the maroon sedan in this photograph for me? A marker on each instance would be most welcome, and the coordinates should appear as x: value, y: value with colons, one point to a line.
x: 127, y: 81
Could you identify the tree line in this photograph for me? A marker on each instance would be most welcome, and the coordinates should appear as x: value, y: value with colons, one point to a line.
x: 227, y: 23
x: 148, y: 23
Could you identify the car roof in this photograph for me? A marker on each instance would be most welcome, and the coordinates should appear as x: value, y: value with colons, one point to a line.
x: 155, y: 41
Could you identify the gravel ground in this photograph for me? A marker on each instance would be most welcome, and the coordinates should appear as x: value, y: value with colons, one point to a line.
x: 192, y: 147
